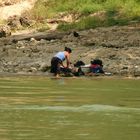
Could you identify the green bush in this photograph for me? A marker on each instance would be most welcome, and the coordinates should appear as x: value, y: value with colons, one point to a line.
x: 118, y: 12
x: 85, y: 23
x: 131, y: 9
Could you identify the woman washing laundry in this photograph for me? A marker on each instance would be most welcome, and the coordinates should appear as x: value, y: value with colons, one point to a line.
x: 58, y: 59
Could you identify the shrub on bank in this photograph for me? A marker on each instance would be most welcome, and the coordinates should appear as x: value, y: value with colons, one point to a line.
x: 117, y: 12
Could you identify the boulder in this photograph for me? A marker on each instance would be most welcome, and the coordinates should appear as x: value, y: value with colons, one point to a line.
x: 5, y: 31
x: 136, y: 71
x: 25, y: 21
x: 14, y: 22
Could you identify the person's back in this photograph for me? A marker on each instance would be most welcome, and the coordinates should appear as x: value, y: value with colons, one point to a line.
x: 57, y: 61
x: 60, y: 55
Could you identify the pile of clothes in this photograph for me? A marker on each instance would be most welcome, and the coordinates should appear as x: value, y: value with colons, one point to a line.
x: 96, y: 66
x: 80, y: 68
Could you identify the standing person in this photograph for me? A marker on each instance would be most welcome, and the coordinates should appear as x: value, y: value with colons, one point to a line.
x: 57, y: 61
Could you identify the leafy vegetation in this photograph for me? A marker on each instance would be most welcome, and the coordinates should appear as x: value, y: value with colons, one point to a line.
x: 116, y: 12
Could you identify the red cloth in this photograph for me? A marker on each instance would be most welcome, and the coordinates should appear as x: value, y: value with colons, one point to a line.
x: 94, y: 66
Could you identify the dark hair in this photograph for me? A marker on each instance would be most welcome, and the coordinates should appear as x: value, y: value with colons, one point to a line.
x: 97, y: 61
x: 79, y: 63
x: 68, y: 49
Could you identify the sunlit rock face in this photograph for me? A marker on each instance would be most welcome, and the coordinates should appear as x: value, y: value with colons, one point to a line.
x: 5, y: 31
x: 10, y: 8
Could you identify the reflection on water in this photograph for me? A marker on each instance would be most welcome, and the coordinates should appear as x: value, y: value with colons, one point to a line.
x: 39, y: 108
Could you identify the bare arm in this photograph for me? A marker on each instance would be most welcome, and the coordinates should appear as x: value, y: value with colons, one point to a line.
x: 67, y: 59
x: 62, y: 65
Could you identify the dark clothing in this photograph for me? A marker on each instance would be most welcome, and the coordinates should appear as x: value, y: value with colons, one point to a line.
x: 95, y: 68
x: 79, y: 63
x: 97, y: 62
x: 55, y: 65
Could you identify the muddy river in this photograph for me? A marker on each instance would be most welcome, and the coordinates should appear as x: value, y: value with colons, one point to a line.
x: 42, y: 108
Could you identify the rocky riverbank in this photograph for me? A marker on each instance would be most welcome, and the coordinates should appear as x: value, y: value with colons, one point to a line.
x: 117, y: 47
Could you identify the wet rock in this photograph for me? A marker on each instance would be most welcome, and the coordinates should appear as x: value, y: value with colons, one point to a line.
x: 20, y: 44
x: 124, y: 72
x: 136, y: 71
x: 32, y: 69
x: 44, y: 67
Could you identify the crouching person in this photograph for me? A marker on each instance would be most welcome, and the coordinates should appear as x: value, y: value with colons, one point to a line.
x: 96, y: 66
x: 57, y: 61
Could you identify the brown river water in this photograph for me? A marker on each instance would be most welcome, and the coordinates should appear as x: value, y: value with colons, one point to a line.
x: 42, y: 108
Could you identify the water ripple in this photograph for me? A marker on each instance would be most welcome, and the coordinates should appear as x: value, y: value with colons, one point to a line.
x: 83, y: 108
